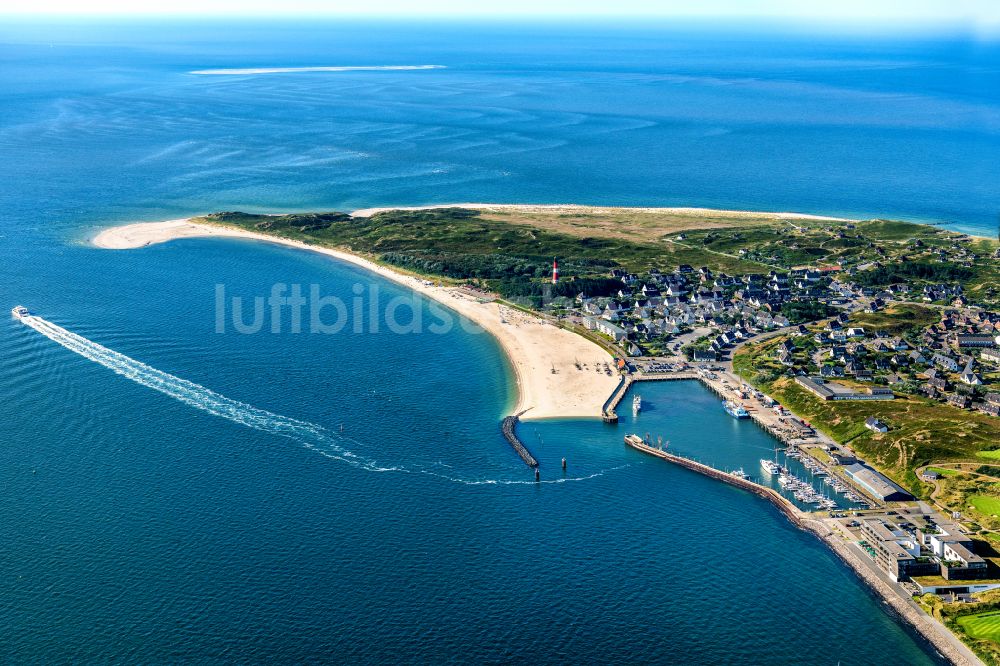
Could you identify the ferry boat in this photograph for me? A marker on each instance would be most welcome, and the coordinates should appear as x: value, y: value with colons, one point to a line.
x: 19, y: 312
x: 637, y: 403
x: 735, y: 410
x: 770, y: 466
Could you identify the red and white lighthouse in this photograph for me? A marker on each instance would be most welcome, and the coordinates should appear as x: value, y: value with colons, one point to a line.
x: 555, y: 271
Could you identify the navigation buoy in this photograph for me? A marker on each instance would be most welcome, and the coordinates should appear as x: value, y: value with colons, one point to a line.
x: 564, y: 463
x: 538, y: 475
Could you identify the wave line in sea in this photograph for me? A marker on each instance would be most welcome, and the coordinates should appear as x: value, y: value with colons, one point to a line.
x: 196, y: 395
x: 310, y: 435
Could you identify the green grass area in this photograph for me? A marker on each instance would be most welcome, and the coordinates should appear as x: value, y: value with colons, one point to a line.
x: 931, y: 581
x: 513, y: 259
x: 977, y: 624
x: 943, y: 472
x: 507, y: 250
x: 898, y: 319
x: 984, y: 626
x: 924, y: 431
x: 986, y: 504
x: 993, y: 454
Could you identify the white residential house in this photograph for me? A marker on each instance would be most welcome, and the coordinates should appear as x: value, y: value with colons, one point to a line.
x: 609, y: 329
x: 970, y: 376
x: 875, y: 425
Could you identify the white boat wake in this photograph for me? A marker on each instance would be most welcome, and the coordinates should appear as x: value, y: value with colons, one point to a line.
x: 308, y: 434
x: 197, y: 396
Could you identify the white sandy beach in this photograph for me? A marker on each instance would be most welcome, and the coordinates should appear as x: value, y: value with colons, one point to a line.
x: 584, y: 210
x: 533, y: 345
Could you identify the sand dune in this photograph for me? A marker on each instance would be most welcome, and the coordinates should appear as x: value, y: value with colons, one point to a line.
x: 580, y: 209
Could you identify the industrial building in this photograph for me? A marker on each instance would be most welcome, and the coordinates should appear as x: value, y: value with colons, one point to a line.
x: 876, y: 484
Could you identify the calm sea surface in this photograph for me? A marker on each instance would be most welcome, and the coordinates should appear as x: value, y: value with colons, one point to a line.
x: 394, y: 523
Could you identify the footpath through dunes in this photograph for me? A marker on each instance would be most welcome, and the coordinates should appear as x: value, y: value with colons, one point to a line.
x: 556, y: 370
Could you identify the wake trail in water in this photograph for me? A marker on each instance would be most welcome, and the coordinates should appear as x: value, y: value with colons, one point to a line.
x: 308, y: 434
x: 195, y: 395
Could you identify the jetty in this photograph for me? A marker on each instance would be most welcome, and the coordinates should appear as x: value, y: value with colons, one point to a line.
x: 796, y: 515
x: 939, y: 636
x: 608, y: 413
x: 509, y: 429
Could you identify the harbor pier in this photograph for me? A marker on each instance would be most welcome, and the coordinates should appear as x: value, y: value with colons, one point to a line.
x: 825, y: 529
x: 608, y: 413
x: 792, y: 512
x: 509, y: 429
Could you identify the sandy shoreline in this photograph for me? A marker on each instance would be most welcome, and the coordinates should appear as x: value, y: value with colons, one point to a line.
x: 533, y: 346
x: 581, y: 209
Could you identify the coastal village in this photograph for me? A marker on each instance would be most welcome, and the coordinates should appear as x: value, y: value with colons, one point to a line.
x: 954, y: 359
x: 881, y: 391
x: 834, y: 344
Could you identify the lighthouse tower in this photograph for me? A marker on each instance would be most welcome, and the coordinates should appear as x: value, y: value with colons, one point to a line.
x: 555, y: 271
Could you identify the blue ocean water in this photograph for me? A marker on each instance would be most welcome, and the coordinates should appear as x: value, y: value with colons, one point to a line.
x: 138, y: 527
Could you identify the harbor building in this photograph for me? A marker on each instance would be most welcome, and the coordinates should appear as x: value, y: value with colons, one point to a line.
x: 878, y: 485
x: 954, y: 549
x: 897, y: 552
x: 825, y: 390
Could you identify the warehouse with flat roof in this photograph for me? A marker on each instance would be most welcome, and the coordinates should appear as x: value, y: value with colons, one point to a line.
x: 876, y: 484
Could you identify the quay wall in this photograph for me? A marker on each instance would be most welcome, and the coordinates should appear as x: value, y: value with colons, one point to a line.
x: 792, y: 512
x: 762, y: 419
x: 608, y: 413
x: 936, y: 634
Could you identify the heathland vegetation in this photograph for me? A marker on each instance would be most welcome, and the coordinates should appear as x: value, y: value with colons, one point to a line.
x: 459, y: 244
x: 922, y: 431
x: 510, y: 251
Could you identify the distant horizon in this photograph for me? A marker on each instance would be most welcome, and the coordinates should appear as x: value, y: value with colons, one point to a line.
x: 746, y: 25
x: 868, y: 15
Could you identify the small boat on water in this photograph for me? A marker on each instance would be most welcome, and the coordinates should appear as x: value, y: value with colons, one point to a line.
x: 736, y: 410
x: 637, y: 403
x: 740, y: 474
x: 19, y: 312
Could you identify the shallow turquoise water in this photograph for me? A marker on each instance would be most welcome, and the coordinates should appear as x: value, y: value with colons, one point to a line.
x: 140, y: 528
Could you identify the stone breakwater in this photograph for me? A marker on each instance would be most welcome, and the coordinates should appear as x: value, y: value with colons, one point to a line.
x: 509, y: 429
x: 937, y: 635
